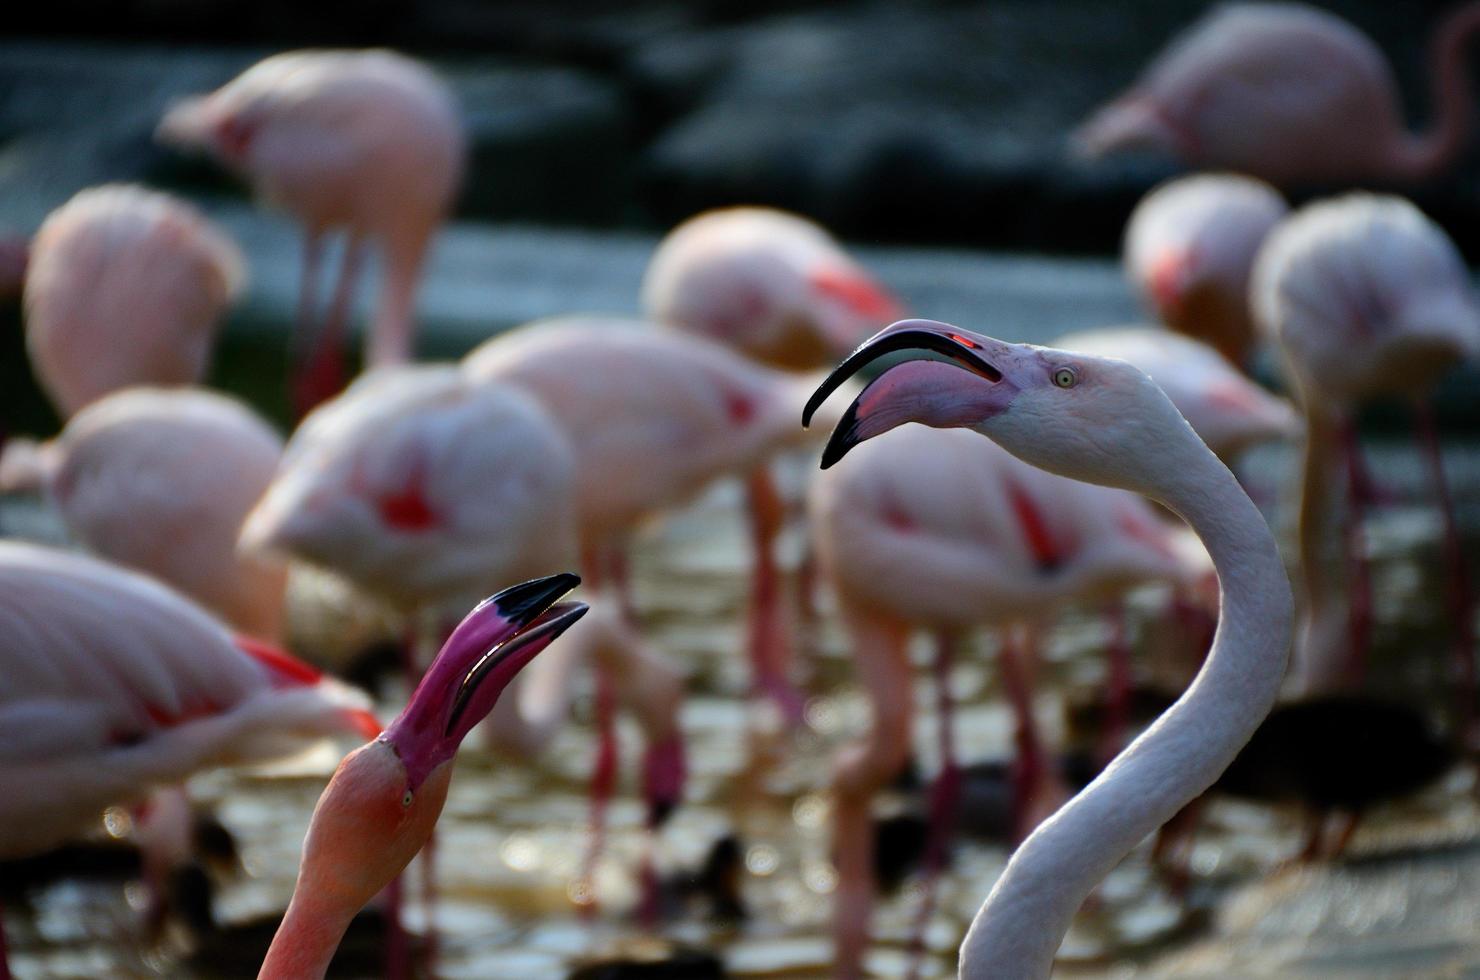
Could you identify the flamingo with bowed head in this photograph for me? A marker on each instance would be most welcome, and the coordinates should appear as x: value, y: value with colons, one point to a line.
x: 422, y: 488
x: 114, y: 685
x: 1102, y: 421
x: 384, y: 799
x: 368, y: 142
x: 655, y: 417
x: 946, y: 531
x: 1226, y: 409
x: 1290, y: 94
x: 1367, y: 297
x: 1189, y: 248
x: 160, y: 480
x: 124, y: 287
x: 771, y: 285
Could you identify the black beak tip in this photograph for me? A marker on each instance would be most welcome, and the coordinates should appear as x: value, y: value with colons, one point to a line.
x: 521, y: 604
x: 844, y: 438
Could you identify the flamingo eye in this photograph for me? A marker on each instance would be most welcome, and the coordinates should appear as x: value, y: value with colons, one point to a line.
x: 406, y: 799
x: 1065, y: 377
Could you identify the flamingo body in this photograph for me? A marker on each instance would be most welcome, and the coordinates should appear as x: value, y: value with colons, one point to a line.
x: 161, y: 480
x: 124, y: 287
x: 115, y: 684
x: 772, y: 285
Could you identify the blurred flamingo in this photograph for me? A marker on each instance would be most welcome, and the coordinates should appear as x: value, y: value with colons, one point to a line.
x: 423, y: 488
x: 160, y: 480
x: 385, y: 797
x: 1291, y: 94
x: 945, y: 531
x: 1103, y: 421
x: 1368, y: 297
x: 1189, y: 248
x: 124, y: 287
x: 368, y: 142
x: 114, y: 685
x: 769, y: 284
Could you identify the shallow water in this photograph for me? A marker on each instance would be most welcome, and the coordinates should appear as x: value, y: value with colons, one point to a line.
x: 511, y: 838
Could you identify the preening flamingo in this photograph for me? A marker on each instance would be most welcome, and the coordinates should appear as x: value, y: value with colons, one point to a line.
x: 769, y: 284
x: 1367, y: 297
x: 367, y: 142
x: 1291, y: 94
x: 161, y: 480
x: 1102, y: 421
x: 1225, y: 408
x: 114, y: 684
x: 924, y: 528
x: 1189, y: 248
x: 384, y: 799
x: 124, y: 287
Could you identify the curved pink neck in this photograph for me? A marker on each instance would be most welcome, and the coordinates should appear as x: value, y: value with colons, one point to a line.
x: 308, y: 938
x: 1426, y: 154
x: 392, y: 333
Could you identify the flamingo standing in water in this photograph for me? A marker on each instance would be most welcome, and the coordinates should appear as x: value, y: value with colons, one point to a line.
x: 942, y: 530
x: 422, y: 488
x: 124, y: 287
x: 771, y: 285
x: 385, y: 797
x: 368, y: 142
x: 161, y: 480
x: 1291, y: 94
x: 1101, y: 421
x: 1189, y: 248
x: 114, y: 684
x: 1368, y: 297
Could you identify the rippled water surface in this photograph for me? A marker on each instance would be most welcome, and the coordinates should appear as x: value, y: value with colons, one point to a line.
x: 509, y: 848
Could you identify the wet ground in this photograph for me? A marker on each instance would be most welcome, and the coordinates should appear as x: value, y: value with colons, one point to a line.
x: 1406, y: 901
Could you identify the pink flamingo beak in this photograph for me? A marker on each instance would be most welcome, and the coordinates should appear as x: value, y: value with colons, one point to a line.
x: 488, y: 648
x: 967, y: 390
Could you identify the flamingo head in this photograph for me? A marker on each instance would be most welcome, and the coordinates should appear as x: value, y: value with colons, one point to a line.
x: 383, y: 800
x: 1095, y: 419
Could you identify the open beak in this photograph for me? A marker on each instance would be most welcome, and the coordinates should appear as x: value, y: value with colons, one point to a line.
x: 483, y: 654
x: 914, y: 391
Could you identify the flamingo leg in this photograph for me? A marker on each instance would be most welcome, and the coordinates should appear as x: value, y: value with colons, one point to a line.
x: 305, y: 321
x: 1171, y: 853
x: 767, y: 636
x: 603, y: 783
x: 945, y: 798
x: 1360, y: 622
x: 1117, y: 686
x: 1461, y: 603
x: 1029, y: 769
x: 323, y: 372
x: 1348, y: 829
x: 397, y: 943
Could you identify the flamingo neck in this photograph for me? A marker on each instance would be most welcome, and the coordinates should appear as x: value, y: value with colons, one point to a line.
x: 1423, y: 155
x: 1018, y: 929
x: 307, y: 939
x: 1323, y: 580
x: 392, y: 333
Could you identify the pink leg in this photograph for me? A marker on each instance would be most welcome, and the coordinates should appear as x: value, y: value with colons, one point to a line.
x: 768, y: 638
x: 945, y: 798
x: 322, y: 374
x: 305, y: 326
x: 397, y: 943
x: 1461, y: 607
x: 1361, y: 585
x: 603, y: 782
x: 1029, y: 768
x: 1117, y: 685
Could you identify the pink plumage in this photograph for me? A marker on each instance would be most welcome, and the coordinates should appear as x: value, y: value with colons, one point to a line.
x: 769, y: 284
x: 114, y: 684
x: 1289, y: 93
x: 125, y: 286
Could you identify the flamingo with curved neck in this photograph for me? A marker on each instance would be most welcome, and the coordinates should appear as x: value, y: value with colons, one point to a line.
x: 383, y: 800
x: 1292, y: 94
x: 1102, y: 421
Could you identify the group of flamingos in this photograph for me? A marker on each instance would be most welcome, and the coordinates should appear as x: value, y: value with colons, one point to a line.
x: 157, y: 652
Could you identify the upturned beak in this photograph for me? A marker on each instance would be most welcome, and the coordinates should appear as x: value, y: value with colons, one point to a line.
x: 915, y: 391
x: 484, y: 653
